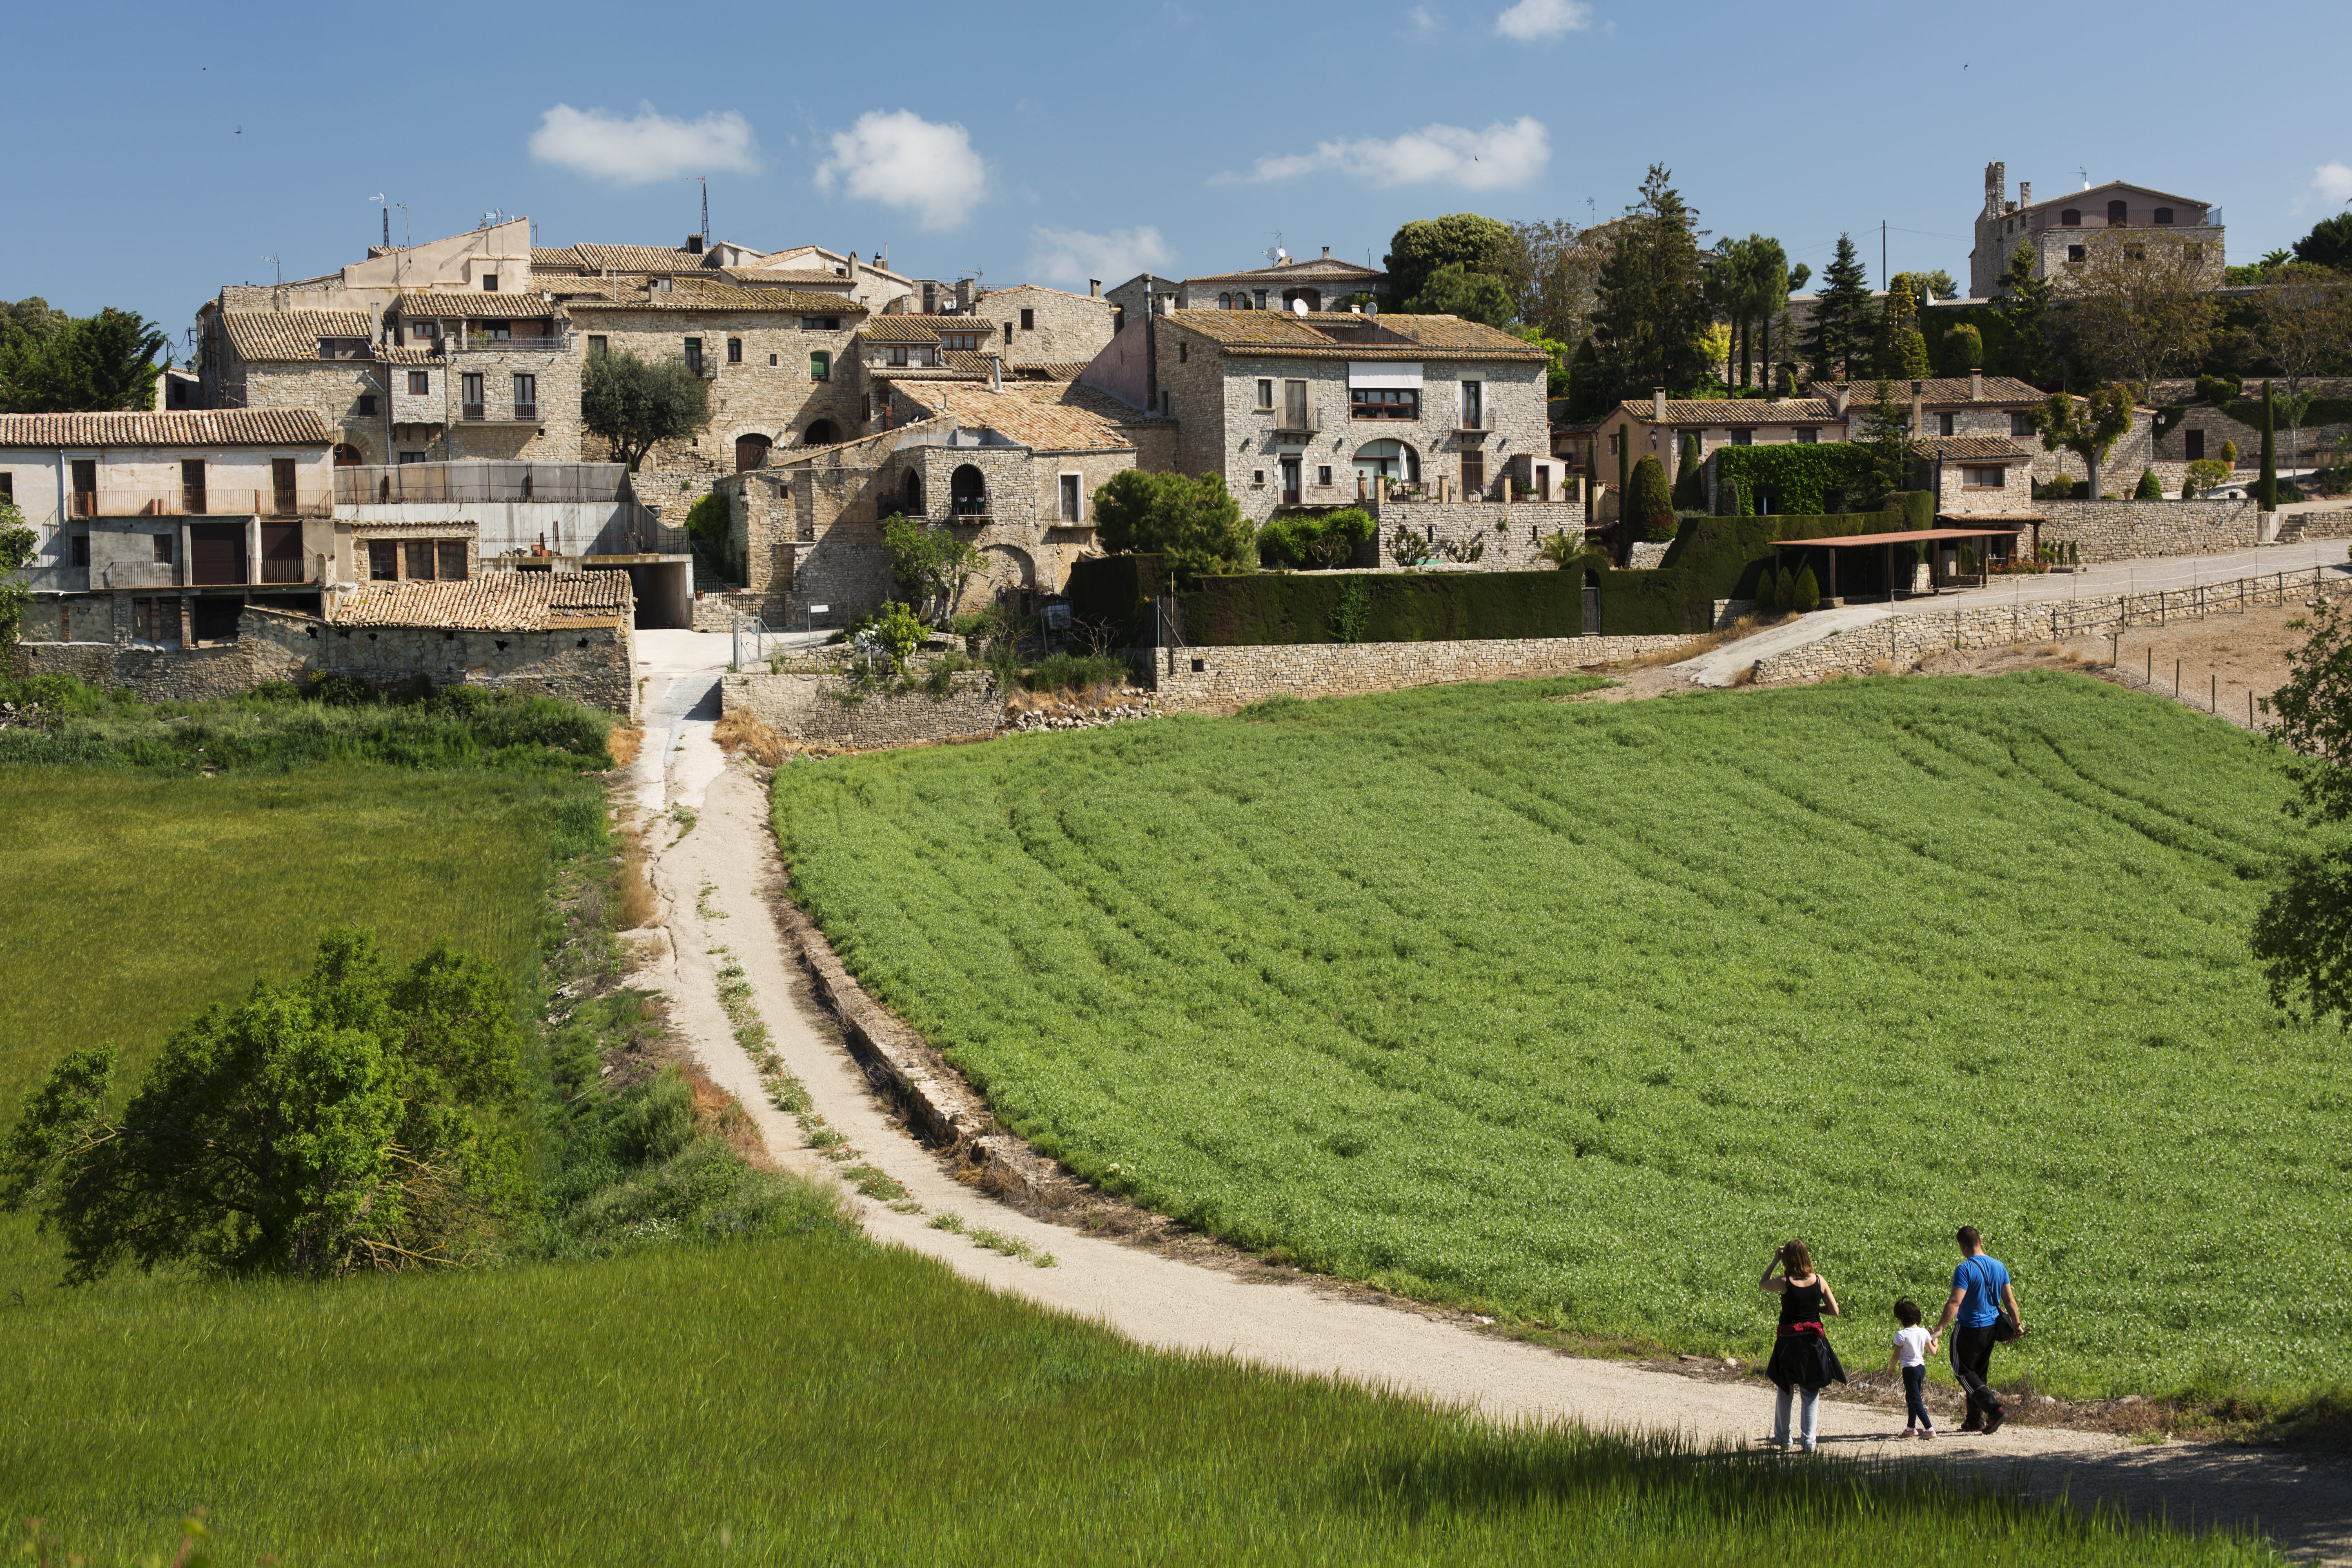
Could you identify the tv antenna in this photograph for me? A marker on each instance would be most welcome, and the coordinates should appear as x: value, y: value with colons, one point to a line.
x: 1278, y: 255
x: 378, y: 197
x: 705, y: 183
x: 2086, y: 177
x: 281, y: 269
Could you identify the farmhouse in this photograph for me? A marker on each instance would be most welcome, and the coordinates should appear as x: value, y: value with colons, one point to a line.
x: 2063, y: 231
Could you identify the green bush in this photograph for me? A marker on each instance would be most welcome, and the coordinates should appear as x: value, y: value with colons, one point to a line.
x: 1650, y: 506
x: 1114, y: 591
x: 1690, y: 475
x: 1079, y: 672
x: 1226, y: 612
x: 1807, y: 479
x: 2220, y: 390
x: 1313, y: 541
x: 1768, y: 592
x: 2150, y: 489
x: 1963, y: 350
x: 1805, y: 593
x: 1194, y: 524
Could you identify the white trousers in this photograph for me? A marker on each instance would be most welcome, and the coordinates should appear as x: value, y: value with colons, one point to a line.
x: 1811, y: 1416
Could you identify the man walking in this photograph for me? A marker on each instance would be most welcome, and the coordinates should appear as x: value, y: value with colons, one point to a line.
x: 1981, y: 1297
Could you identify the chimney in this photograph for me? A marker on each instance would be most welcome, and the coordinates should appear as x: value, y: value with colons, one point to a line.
x: 1976, y: 386
x: 995, y: 373
x: 694, y: 245
x: 1327, y: 249
x: 2024, y: 195
x: 1658, y: 405
x: 1996, y: 187
x: 1918, y: 419
x: 1093, y: 287
x: 1838, y: 397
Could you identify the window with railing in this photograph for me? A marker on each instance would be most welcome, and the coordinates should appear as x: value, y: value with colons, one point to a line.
x: 1384, y: 403
x: 525, y: 396
x: 469, y: 397
x: 694, y: 355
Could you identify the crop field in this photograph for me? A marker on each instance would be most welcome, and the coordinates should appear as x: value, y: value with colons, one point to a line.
x: 816, y: 1399
x: 1576, y: 1009
x: 129, y: 902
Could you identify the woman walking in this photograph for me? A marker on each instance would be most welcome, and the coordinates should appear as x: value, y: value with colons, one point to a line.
x: 1801, y: 1356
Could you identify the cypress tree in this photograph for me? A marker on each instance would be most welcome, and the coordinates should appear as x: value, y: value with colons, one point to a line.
x: 1690, y: 475
x: 1805, y: 594
x: 1767, y: 598
x: 2266, y: 487
x: 1653, y: 509
x: 1841, y: 327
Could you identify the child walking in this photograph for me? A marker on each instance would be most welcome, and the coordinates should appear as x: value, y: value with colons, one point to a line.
x: 1913, y: 1346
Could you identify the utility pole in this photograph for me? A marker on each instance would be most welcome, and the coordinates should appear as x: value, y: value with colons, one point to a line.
x: 1881, y: 254
x: 706, y: 210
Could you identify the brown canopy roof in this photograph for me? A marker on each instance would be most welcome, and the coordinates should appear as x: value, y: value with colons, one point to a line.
x: 1915, y: 536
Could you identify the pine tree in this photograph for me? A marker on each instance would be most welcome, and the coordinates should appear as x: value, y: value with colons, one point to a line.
x: 1886, y: 431
x: 2024, y: 310
x: 2267, y: 487
x: 1690, y: 475
x: 1653, y: 308
x: 1840, y: 329
x: 1902, y: 348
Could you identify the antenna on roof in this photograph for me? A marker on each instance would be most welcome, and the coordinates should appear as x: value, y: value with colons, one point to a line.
x: 281, y: 269
x: 705, y: 183
x: 1278, y: 255
x: 387, y: 219
x: 2086, y: 177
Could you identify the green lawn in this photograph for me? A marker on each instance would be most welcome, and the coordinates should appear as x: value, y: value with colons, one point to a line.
x: 1576, y: 1008
x: 818, y: 1400
x: 129, y: 900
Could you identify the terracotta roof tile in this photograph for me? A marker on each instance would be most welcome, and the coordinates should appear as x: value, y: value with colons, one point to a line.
x: 898, y: 329
x: 292, y: 334
x: 199, y: 427
x: 1294, y: 271
x: 640, y: 258
x: 1093, y: 400
x: 1733, y: 411
x: 495, y: 601
x: 701, y: 294
x: 1279, y: 332
x: 473, y: 304
x: 1939, y: 389
x: 1055, y: 425
x: 1971, y: 449
x: 1049, y: 370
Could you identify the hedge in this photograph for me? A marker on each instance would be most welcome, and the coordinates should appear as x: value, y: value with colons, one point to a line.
x: 1118, y: 590
x: 1230, y: 612
x: 1716, y: 558
x: 1799, y: 476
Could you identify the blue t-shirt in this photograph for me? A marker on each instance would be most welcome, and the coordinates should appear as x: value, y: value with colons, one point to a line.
x: 1982, y: 1278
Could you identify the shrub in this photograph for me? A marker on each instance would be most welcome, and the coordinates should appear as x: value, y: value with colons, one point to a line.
x: 1194, y: 525
x: 2220, y: 390
x: 2203, y: 477
x: 1690, y: 475
x: 1805, y: 593
x: 2230, y: 453
x: 1653, y: 504
x: 1317, y: 540
x: 2062, y: 486
x: 1768, y: 591
x: 1353, y: 615
x: 892, y: 630
x: 1079, y: 672
x: 1226, y: 612
x: 1963, y: 350
x: 1411, y: 548
x: 2149, y: 489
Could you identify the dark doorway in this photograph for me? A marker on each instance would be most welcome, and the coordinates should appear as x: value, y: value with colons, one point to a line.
x: 1290, y: 482
x: 281, y: 486
x: 967, y: 492
x: 282, y: 552
x: 751, y: 452
x: 215, y: 552
x: 823, y: 433
x: 910, y: 494
x: 215, y: 616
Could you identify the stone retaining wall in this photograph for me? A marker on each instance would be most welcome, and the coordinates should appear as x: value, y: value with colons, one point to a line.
x: 2132, y: 531
x: 1901, y: 641
x: 153, y: 674
x: 1213, y: 679
x: 811, y: 708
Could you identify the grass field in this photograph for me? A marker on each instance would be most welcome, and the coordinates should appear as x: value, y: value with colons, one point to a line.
x: 1575, y: 1009
x: 818, y: 1400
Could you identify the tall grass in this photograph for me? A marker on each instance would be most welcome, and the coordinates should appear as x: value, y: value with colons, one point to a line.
x: 1573, y: 1010
x: 817, y: 1400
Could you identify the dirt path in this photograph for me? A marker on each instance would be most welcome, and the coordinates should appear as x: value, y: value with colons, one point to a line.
x: 716, y: 879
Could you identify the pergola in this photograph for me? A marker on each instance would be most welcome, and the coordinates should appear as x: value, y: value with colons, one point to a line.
x: 1887, y: 542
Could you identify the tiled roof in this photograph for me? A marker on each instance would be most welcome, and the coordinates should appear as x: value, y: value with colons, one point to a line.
x: 967, y: 362
x: 699, y: 294
x: 473, y: 304
x: 898, y: 329
x: 494, y: 601
x: 1316, y: 267
x: 1736, y: 411
x: 640, y: 258
x: 785, y: 276
x: 410, y: 356
x: 554, y: 255
x: 1971, y: 449
x: 197, y: 427
x: 1279, y: 332
x: 1938, y: 389
x: 1042, y: 288
x: 1049, y: 370
x: 929, y: 373
x: 291, y: 334
x: 1049, y: 426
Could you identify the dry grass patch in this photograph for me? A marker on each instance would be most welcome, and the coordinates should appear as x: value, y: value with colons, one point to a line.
x: 742, y: 732
x: 624, y: 743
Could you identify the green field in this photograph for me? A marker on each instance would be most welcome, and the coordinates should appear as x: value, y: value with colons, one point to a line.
x: 1574, y: 1009
x: 819, y: 1400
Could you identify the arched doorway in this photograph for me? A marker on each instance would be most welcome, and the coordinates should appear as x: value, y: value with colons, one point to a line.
x: 911, y: 493
x: 1389, y: 460
x: 822, y: 432
x: 967, y: 492
x: 1313, y: 296
x: 347, y: 456
x: 751, y: 452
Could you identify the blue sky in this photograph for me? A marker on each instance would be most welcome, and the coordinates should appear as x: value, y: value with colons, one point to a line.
x: 1058, y: 142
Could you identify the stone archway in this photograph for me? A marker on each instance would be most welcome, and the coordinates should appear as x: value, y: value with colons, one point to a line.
x: 1007, y: 575
x: 1394, y: 460
x: 821, y: 433
x: 751, y: 452
x: 968, y: 492
x: 911, y: 493
x: 347, y: 456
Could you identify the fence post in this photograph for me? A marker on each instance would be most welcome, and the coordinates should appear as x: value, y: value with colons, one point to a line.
x: 738, y: 660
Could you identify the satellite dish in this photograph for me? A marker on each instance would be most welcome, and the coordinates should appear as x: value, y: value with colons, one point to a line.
x: 1299, y: 307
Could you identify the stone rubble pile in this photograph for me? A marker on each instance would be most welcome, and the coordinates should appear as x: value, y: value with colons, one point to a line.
x: 1135, y: 703
x: 28, y: 717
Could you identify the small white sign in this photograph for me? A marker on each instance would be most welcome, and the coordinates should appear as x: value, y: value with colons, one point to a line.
x: 819, y: 609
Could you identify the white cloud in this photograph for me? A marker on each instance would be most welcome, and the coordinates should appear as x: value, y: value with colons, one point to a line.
x: 1503, y: 154
x: 1423, y: 20
x: 1074, y: 256
x: 903, y: 161
x: 1531, y: 21
x: 648, y: 148
x: 2333, y: 182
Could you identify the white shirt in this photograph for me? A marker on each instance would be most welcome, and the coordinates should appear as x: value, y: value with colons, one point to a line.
x: 1911, y: 1346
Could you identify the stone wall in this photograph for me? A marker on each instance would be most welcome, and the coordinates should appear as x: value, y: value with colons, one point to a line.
x: 1900, y: 641
x: 156, y: 674
x: 1063, y: 328
x: 811, y: 708
x: 1513, y: 533
x: 2127, y: 531
x: 1214, y: 678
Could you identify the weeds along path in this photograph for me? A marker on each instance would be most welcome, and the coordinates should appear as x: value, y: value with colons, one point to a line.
x: 715, y: 878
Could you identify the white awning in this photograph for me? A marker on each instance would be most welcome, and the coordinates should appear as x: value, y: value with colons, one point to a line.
x: 1383, y: 373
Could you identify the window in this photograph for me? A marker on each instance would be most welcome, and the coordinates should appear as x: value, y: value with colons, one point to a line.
x: 420, y: 383
x: 1224, y: 301
x: 1294, y: 404
x: 1743, y: 438
x: 820, y: 366
x: 1981, y: 478
x: 412, y: 456
x: 1384, y: 403
x: 1028, y: 320
x: 162, y: 545
x: 470, y: 395
x: 192, y: 485
x: 525, y: 396
x: 420, y: 560
x: 498, y: 332
x: 1257, y: 476
x: 1261, y: 297
x: 2164, y: 215
x: 1944, y: 424
x: 449, y: 560
x: 80, y: 549
x: 2070, y: 218
x: 2022, y: 422
x: 1474, y: 406
x: 596, y: 346
x: 1264, y: 394
x: 383, y: 561
x: 1323, y: 475
x: 820, y: 324
x: 898, y: 353
x: 2074, y: 254
x: 1613, y: 443
x: 1183, y: 353
x: 489, y: 282
x: 694, y: 355
x: 1008, y: 335
x: 8, y: 487
x: 2115, y: 214
x: 1071, y: 501
x: 1808, y: 438
x: 734, y: 351
x: 2196, y: 440
x: 1474, y: 472
x: 367, y: 404
x: 771, y: 359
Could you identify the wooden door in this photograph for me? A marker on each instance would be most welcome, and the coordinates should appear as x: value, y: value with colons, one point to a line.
x: 282, y: 552
x: 215, y: 552
x: 281, y: 486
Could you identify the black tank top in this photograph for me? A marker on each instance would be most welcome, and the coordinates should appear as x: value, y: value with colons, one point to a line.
x: 1800, y: 1304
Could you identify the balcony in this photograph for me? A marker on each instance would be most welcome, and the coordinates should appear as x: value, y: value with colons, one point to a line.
x: 479, y: 481
x: 526, y: 412
x: 212, y: 500
x: 473, y: 412
x: 1297, y: 421
x: 294, y: 569
x: 530, y: 343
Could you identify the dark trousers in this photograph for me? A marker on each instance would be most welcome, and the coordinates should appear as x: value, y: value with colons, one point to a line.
x: 1914, y: 1398
x: 1972, y: 1366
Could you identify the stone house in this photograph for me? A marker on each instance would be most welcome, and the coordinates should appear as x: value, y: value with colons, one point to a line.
x: 170, y: 522
x: 2062, y: 230
x: 1298, y: 410
x: 480, y: 375
x: 1320, y: 283
x: 1978, y: 478
x: 1037, y: 325
x: 1144, y: 291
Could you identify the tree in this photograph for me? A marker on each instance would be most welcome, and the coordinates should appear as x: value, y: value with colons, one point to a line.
x: 1557, y: 379
x: 1887, y: 432
x: 1652, y: 507
x: 18, y: 543
x: 1319, y: 540
x: 83, y: 365
x: 1553, y: 273
x: 352, y: 1121
x: 634, y: 406
x: 1569, y: 551
x: 1418, y: 248
x: 1195, y: 525
x: 2329, y: 243
x: 1590, y: 391
x: 2302, y: 936
x: 1842, y: 315
x: 1754, y: 289
x: 1902, y: 348
x: 2150, y: 487
x: 930, y: 563
x: 1455, y: 291
x: 2087, y: 426
x: 2266, y: 485
x: 1927, y: 285
x: 2302, y: 319
x: 2140, y: 305
x: 1652, y: 310
x: 2026, y: 301
x: 1963, y: 350
x: 1690, y: 475
x: 31, y: 314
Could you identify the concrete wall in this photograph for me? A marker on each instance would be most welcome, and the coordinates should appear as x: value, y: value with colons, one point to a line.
x: 810, y: 707
x: 1230, y: 677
